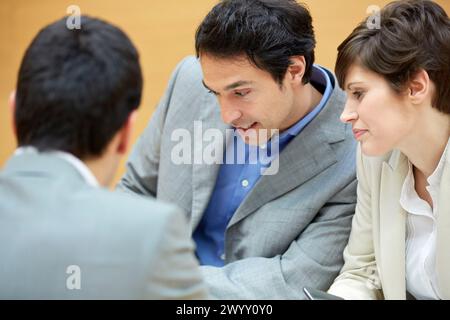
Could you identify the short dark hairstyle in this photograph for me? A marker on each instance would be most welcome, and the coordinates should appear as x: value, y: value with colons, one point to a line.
x: 414, y: 36
x: 76, y: 88
x: 268, y: 32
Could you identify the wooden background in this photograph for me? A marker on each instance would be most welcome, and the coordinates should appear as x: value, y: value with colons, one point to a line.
x: 162, y: 30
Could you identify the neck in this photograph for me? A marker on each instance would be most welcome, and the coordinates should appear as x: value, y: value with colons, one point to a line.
x: 427, y: 143
x: 307, y: 98
x: 102, y: 168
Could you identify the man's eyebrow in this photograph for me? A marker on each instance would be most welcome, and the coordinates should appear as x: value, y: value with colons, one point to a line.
x: 237, y: 85
x: 232, y: 86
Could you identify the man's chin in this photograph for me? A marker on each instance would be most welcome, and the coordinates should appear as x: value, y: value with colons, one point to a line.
x: 254, y: 137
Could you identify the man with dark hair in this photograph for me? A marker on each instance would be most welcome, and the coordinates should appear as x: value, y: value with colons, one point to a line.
x: 278, y: 221
x: 61, y: 235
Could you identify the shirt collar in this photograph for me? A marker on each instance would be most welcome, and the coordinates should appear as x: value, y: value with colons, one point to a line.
x: 435, y: 178
x: 79, y: 165
x: 410, y: 200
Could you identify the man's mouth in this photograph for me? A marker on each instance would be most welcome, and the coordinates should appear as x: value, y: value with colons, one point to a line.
x: 245, y: 129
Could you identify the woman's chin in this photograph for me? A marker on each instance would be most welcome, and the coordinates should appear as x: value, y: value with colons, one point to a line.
x: 371, y: 150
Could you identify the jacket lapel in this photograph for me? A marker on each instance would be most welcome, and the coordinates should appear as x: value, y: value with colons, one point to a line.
x: 443, y: 233
x: 393, y: 226
x: 204, y: 174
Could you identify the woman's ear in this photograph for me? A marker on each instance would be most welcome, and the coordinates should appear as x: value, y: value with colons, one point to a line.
x: 420, y: 88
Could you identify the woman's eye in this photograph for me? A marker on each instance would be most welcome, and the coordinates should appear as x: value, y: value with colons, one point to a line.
x: 357, y: 94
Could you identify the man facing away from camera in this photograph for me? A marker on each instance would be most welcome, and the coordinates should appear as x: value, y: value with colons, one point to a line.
x: 62, y: 235
x: 277, y: 221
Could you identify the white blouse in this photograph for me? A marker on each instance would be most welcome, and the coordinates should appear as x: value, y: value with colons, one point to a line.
x: 421, y: 275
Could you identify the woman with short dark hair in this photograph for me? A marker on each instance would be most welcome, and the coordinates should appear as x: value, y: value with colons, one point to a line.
x: 397, y: 78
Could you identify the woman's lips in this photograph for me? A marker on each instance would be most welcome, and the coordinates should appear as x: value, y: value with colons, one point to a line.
x: 358, y: 133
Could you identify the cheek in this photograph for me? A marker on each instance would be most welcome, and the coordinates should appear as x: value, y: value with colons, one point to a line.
x: 374, y: 112
x: 279, y: 107
x: 269, y: 109
x: 385, y: 134
x: 386, y: 120
x: 259, y: 110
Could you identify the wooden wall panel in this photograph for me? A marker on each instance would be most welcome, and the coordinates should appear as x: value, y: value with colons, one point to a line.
x: 163, y: 31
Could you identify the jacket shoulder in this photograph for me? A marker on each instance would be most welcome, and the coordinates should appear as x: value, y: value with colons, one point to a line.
x: 130, y: 206
x: 188, y: 76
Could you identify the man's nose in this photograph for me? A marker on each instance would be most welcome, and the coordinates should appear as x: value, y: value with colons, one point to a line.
x: 230, y: 115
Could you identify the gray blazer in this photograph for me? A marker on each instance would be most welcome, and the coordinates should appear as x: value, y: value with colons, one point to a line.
x: 63, y: 239
x: 292, y: 228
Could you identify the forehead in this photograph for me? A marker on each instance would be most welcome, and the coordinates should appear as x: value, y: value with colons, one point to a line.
x: 218, y: 71
x: 358, y: 74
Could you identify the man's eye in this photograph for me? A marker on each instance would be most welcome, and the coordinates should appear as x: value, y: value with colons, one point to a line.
x: 241, y: 93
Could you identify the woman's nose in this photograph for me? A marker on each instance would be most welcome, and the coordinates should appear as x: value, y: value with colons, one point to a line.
x: 349, y: 115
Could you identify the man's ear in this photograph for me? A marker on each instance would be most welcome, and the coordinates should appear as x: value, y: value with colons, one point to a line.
x: 296, y: 69
x: 12, y: 109
x: 419, y: 87
x: 126, y: 132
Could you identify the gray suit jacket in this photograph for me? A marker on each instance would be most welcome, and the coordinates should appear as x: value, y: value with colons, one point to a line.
x: 58, y: 234
x: 292, y: 228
